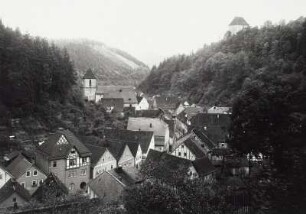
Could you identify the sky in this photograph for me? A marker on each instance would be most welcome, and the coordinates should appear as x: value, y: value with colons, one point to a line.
x: 150, y: 30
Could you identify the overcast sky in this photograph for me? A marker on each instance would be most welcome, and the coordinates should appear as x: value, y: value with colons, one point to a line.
x: 151, y: 30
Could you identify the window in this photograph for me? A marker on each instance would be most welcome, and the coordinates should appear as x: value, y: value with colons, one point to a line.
x: 54, y: 163
x: 72, y: 162
x: 1, y: 176
x: 89, y: 83
x: 34, y: 183
x: 41, y: 182
x: 71, y: 174
x: 179, y: 154
x: 84, y: 161
x: 14, y: 199
x: 35, y: 172
x: 185, y: 154
x: 182, y: 146
x: 83, y: 171
x: 28, y: 174
x: 71, y: 186
x: 23, y: 184
x: 111, y: 166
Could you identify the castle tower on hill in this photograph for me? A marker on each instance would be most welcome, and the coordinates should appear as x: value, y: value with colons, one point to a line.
x: 237, y: 24
x: 89, y: 85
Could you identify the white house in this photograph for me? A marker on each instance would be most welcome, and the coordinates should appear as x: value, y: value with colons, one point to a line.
x: 159, y: 127
x: 4, y: 176
x: 188, y: 149
x: 143, y: 104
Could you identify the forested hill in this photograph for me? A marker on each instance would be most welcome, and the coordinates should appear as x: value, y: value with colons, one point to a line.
x: 35, y: 76
x: 216, y: 74
x: 111, y: 66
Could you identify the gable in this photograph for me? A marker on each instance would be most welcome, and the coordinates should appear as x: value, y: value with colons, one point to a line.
x: 107, y: 156
x: 62, y: 141
x: 126, y: 154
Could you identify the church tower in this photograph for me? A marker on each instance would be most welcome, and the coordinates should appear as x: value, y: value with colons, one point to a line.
x: 89, y: 85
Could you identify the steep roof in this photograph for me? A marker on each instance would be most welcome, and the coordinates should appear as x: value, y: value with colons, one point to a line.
x: 11, y: 187
x: 166, y: 102
x: 203, y: 166
x: 156, y: 125
x: 208, y: 120
x: 124, y: 177
x: 19, y: 166
x: 152, y: 113
x: 189, y: 112
x: 96, y: 152
x: 53, y: 184
x: 239, y: 21
x: 194, y: 148
x: 141, y: 137
x: 204, y: 139
x: 58, y: 151
x: 171, y: 124
x: 127, y: 93
x: 133, y: 147
x: 117, y: 103
x: 89, y: 75
x: 163, y: 165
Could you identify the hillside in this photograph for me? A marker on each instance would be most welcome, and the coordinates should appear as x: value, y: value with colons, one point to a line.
x: 217, y: 73
x: 112, y: 66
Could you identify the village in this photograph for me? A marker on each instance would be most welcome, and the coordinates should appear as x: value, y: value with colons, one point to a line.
x: 163, y: 131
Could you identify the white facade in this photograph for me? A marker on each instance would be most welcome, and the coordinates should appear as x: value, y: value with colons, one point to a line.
x: 89, y: 89
x: 127, y: 158
x: 4, y: 177
x: 236, y: 28
x: 106, y: 162
x: 143, y: 104
x: 183, y: 152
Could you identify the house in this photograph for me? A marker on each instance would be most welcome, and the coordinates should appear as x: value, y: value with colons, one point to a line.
x: 188, y: 112
x: 101, y: 160
x: 215, y: 126
x: 151, y: 113
x: 109, y: 185
x: 143, y: 103
x: 155, y: 125
x: 170, y: 169
x: 4, y: 175
x: 166, y: 103
x: 112, y: 105
x: 94, y: 92
x: 136, y: 151
x: 237, y: 24
x: 189, y: 149
x: 144, y: 138
x: 89, y: 84
x: 127, y: 93
x: 51, y: 189
x: 12, y: 194
x: 219, y: 110
x: 68, y: 158
x: 26, y: 173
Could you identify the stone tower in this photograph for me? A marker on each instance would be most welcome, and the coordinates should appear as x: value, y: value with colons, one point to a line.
x: 237, y: 25
x: 89, y: 85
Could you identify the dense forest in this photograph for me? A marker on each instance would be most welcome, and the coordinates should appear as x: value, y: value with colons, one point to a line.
x: 33, y: 73
x: 217, y: 73
x: 261, y: 73
x: 38, y: 85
